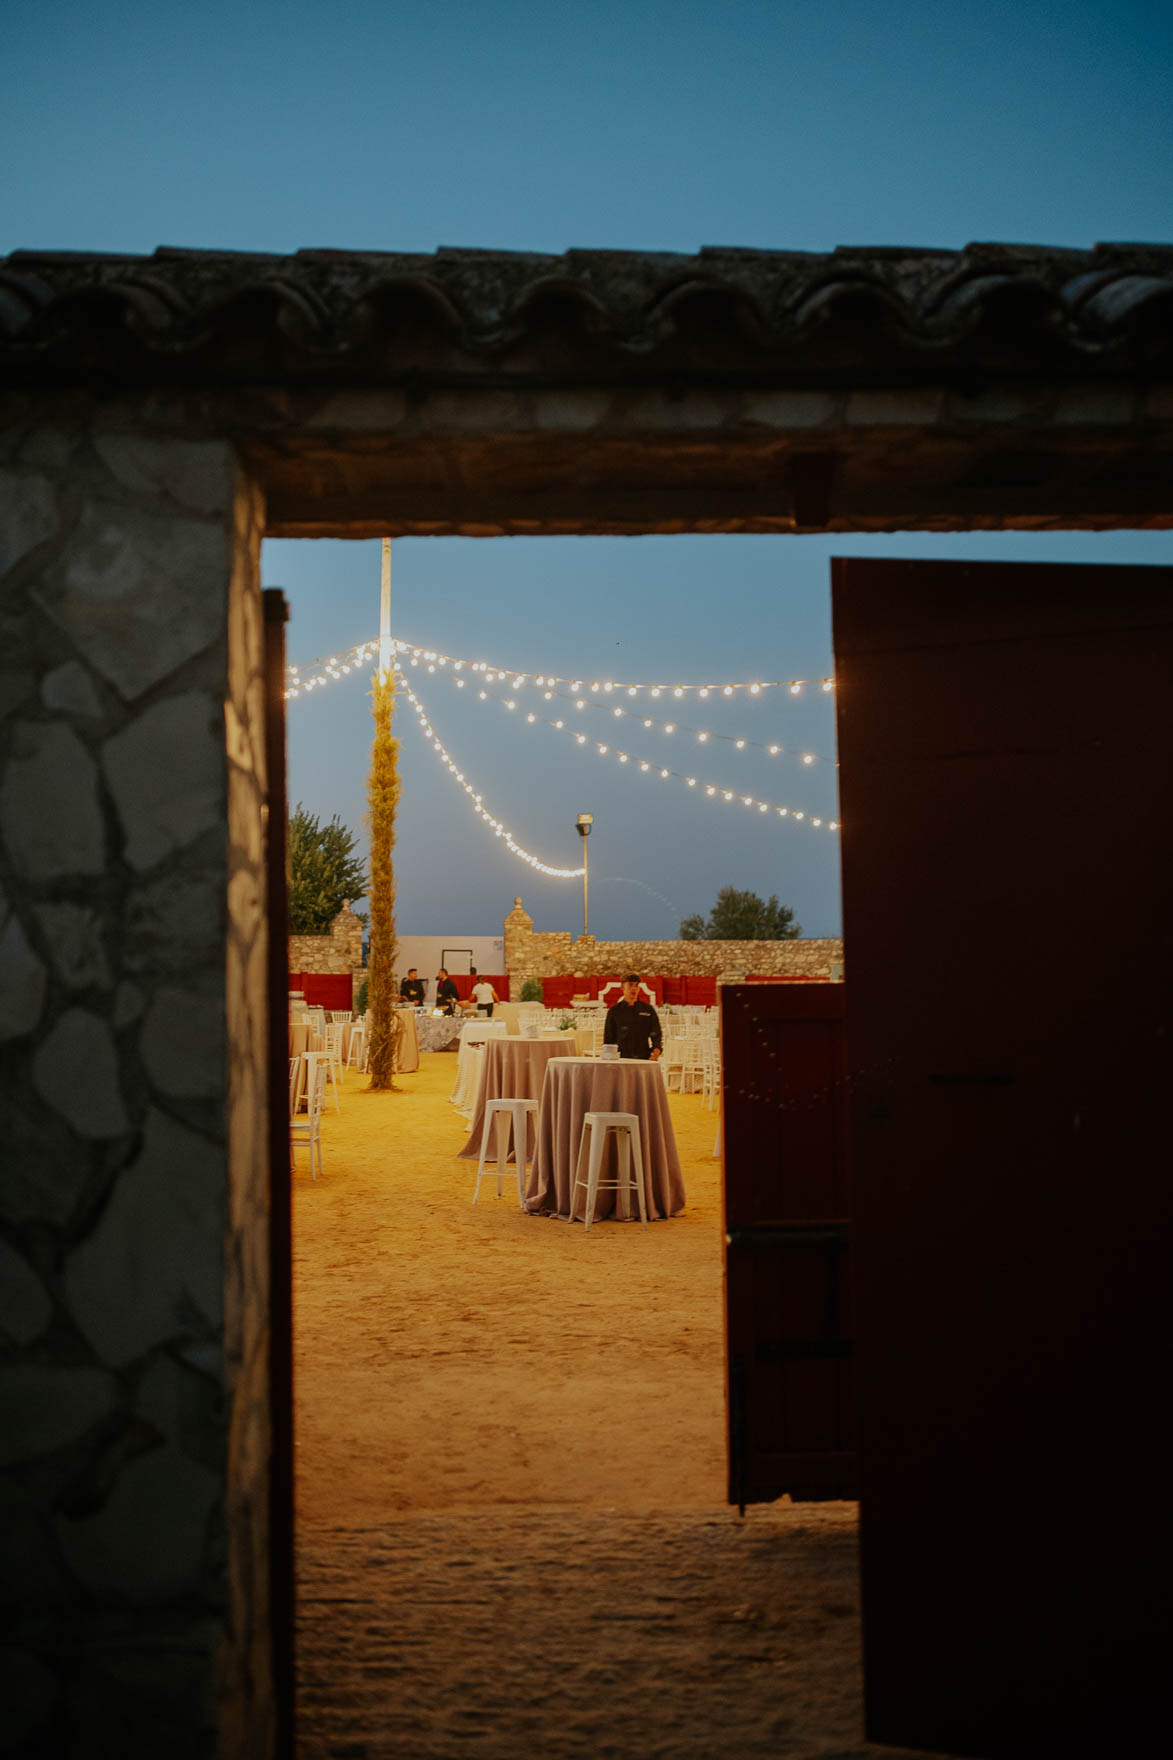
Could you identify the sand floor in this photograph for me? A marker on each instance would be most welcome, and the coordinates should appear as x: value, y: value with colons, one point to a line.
x: 512, y: 1534
x: 449, y: 1355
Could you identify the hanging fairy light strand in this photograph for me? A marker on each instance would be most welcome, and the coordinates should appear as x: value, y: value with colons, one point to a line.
x: 544, y: 682
x: 640, y: 766
x: 322, y: 671
x: 634, y: 717
x: 477, y: 799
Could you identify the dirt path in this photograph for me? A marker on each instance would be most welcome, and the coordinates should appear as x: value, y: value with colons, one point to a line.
x: 512, y: 1536
x: 449, y: 1356
x: 511, y: 1635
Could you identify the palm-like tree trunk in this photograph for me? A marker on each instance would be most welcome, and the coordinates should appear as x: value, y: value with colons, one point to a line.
x: 382, y: 800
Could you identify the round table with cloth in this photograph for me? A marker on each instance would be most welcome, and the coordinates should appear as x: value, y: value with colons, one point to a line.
x: 512, y: 1069
x: 409, y: 1044
x: 576, y: 1085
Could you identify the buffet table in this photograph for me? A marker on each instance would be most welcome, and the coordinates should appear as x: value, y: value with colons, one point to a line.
x: 577, y: 1085
x: 513, y: 1069
x: 436, y: 1032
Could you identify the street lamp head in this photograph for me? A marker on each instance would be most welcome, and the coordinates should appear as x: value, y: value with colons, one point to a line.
x: 583, y: 824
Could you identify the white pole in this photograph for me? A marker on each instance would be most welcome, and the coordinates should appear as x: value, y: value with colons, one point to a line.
x: 586, y: 926
x: 385, y: 649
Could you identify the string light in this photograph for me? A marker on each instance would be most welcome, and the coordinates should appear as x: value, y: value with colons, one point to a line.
x: 701, y: 735
x: 474, y: 795
x: 647, y: 768
x: 322, y: 671
x: 337, y: 667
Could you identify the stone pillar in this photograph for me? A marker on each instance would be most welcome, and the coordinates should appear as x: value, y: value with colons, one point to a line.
x: 134, y: 1411
x: 519, y: 926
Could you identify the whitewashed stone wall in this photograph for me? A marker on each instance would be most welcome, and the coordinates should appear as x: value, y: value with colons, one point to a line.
x: 133, y: 1280
x: 531, y: 953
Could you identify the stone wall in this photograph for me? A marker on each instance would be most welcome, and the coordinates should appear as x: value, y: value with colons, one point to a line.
x: 338, y: 951
x: 531, y: 953
x: 134, y: 1429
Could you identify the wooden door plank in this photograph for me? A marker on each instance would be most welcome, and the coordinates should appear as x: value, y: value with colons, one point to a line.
x: 1005, y: 747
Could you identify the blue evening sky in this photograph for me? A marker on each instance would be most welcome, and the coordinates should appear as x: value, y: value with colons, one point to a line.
x: 646, y: 125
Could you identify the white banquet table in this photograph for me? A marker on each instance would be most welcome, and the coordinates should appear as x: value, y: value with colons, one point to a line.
x: 469, y: 1057
x: 513, y: 1069
x: 577, y: 1085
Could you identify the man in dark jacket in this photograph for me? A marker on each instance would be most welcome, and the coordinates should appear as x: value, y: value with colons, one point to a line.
x: 447, y: 995
x: 412, y: 989
x: 633, y: 1024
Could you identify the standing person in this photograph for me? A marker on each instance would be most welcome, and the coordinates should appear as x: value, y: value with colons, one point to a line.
x: 633, y: 1024
x: 485, y: 996
x: 412, y: 989
x: 447, y: 995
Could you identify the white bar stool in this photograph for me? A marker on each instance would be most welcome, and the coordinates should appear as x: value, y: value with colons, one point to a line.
x: 626, y: 1128
x: 509, y: 1114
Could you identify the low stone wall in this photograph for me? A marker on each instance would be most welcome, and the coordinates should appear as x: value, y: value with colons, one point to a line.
x: 531, y: 953
x: 338, y: 951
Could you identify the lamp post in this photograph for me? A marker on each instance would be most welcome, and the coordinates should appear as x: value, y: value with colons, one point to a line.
x: 583, y: 827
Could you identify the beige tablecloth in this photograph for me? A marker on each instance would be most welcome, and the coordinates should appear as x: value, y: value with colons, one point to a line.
x: 512, y: 1069
x: 409, y: 1043
x: 577, y: 1085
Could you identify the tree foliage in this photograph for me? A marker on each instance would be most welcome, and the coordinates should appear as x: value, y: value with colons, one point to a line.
x: 742, y: 916
x: 382, y: 800
x: 324, y: 872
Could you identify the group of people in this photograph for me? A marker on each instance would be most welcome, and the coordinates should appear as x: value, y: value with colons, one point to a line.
x: 632, y: 1023
x: 413, y: 991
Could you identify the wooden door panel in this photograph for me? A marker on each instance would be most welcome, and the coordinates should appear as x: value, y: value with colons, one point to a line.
x: 788, y: 1301
x: 1004, y: 743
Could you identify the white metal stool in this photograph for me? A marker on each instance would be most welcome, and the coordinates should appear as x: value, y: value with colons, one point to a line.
x: 626, y: 1128
x: 509, y: 1114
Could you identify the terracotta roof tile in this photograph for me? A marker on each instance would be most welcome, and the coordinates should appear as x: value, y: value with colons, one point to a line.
x: 235, y: 317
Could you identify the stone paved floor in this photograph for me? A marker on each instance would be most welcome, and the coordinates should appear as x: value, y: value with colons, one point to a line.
x: 560, y: 1634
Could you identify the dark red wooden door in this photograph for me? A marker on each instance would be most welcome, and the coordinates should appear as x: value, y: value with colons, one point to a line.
x: 787, y: 1290
x: 1005, y: 747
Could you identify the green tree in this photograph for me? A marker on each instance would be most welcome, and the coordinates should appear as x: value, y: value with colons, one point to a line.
x: 742, y: 916
x: 324, y: 872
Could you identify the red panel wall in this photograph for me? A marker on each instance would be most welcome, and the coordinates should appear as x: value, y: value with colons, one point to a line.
x: 324, y: 989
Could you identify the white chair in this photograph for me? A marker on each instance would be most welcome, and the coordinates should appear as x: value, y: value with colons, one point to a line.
x: 710, y: 1071
x: 294, y: 1075
x: 307, y: 1132
x: 693, y: 1074
x: 672, y: 1058
x: 338, y: 1017
x: 509, y: 1115
x: 356, y: 1057
x: 592, y: 1142
x: 321, y: 1059
x: 333, y: 1045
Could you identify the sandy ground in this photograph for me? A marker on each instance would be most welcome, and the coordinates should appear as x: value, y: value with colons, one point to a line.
x: 512, y: 1534
x: 449, y: 1355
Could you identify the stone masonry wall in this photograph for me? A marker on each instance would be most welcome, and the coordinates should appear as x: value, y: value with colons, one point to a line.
x: 133, y: 1277
x: 549, y: 953
x: 338, y: 951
